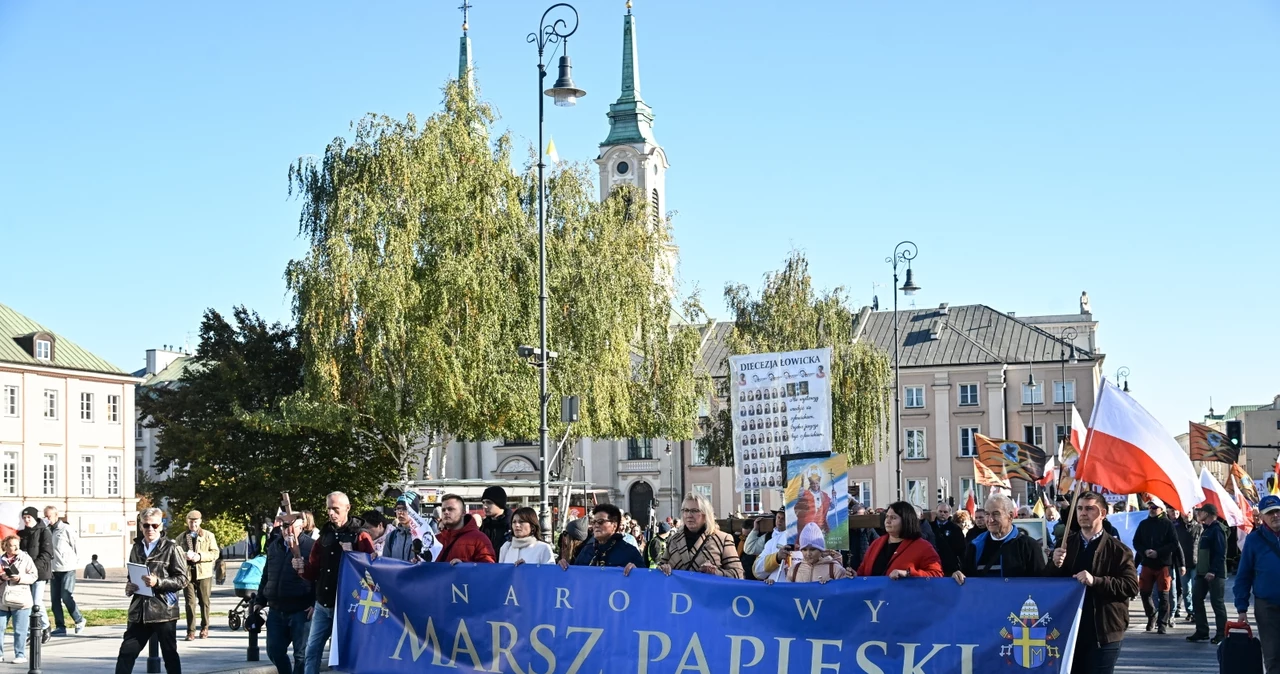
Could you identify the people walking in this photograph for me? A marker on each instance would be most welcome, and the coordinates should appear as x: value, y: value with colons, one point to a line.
x: 94, y: 570
x: 607, y: 547
x: 1188, y: 531
x: 902, y: 552
x: 698, y: 544
x: 497, y: 519
x: 200, y: 549
x: 1004, y: 550
x: 289, y: 596
x: 948, y: 538
x: 19, y: 572
x: 153, y: 608
x: 460, y: 539
x: 526, y: 545
x: 1104, y: 566
x: 62, y: 587
x: 1156, y: 542
x: 1259, y: 575
x: 37, y: 542
x: 340, y: 535
x: 1211, y: 576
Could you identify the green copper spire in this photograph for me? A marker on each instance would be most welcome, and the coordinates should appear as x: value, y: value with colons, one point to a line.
x: 630, y: 120
x: 464, y: 51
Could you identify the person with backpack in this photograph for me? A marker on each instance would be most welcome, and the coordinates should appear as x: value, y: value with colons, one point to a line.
x: 1259, y: 575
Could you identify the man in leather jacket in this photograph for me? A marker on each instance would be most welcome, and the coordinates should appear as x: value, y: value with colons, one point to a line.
x: 155, y: 615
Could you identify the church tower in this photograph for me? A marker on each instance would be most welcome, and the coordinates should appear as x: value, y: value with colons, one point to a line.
x: 630, y: 155
x: 464, y: 51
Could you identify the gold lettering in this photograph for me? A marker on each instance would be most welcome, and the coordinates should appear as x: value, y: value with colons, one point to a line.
x: 625, y: 603
x: 542, y: 649
x: 909, y: 665
x: 735, y: 652
x: 664, y: 642
x: 461, y: 636
x: 751, y: 607
x: 511, y: 597
x: 966, y: 657
x: 695, y: 649
x: 562, y: 597
x: 816, y: 663
x: 875, y: 610
x: 784, y: 653
x: 808, y: 608
x: 688, y: 603
x: 498, y: 649
x: 463, y: 594
x: 595, y: 633
x: 865, y: 663
x: 416, y: 648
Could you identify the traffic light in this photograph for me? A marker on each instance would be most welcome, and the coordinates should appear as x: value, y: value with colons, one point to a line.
x: 1235, y: 433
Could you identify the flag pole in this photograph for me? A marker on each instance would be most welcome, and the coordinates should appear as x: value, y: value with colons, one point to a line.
x: 1075, y: 498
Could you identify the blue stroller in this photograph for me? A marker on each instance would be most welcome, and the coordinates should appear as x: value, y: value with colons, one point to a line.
x: 246, y: 584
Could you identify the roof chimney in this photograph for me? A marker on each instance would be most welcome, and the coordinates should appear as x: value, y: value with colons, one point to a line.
x: 935, y: 328
x: 944, y: 309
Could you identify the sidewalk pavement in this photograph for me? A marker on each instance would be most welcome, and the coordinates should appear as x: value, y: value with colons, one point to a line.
x: 1149, y: 652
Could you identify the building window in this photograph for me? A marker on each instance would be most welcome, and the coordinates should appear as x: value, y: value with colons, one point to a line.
x: 1033, y: 395
x: 137, y: 431
x: 968, y: 443
x: 969, y: 486
x: 10, y: 401
x: 860, y: 492
x: 915, y: 397
x: 751, y: 501
x: 44, y: 349
x: 86, y: 476
x: 113, y: 476
x: 113, y: 409
x: 700, y: 455
x: 10, y: 473
x: 968, y: 395
x: 703, y: 490
x: 86, y: 407
x: 141, y: 476
x: 1033, y: 436
x: 1061, y: 432
x: 49, y: 475
x: 918, y: 492
x: 1064, y: 392
x: 639, y: 448
x: 50, y: 403
x: 915, y: 443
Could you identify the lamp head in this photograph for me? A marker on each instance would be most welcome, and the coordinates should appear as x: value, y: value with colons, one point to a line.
x: 910, y: 287
x: 565, y: 93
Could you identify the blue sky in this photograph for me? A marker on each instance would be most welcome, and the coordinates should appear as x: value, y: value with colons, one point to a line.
x: 1032, y: 150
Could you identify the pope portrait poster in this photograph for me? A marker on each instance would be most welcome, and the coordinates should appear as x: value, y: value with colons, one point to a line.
x: 781, y: 405
x: 817, y: 492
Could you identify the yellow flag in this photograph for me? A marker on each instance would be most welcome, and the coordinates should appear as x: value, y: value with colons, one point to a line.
x: 551, y: 152
x: 1038, y: 511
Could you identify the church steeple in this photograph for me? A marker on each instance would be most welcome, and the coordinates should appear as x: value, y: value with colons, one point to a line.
x: 630, y: 119
x: 464, y: 50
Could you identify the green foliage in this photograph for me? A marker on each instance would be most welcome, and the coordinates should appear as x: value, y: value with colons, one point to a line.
x: 226, y: 529
x: 225, y: 462
x: 422, y: 279
x: 790, y: 315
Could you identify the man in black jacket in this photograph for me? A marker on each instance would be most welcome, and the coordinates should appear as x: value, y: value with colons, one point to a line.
x: 1003, y: 550
x: 37, y: 542
x: 1188, y: 531
x: 949, y: 539
x: 497, y: 519
x: 1155, y: 542
x: 1104, y: 566
x: 340, y: 535
x: 289, y: 597
x: 153, y: 615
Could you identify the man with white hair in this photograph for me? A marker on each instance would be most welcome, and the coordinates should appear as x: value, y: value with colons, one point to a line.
x: 1003, y: 551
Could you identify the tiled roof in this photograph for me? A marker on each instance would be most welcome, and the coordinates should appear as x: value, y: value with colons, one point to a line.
x: 172, y: 373
x: 973, y: 334
x: 714, y: 354
x: 66, y: 353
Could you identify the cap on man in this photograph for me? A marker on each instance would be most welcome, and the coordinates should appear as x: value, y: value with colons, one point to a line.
x: 1259, y: 574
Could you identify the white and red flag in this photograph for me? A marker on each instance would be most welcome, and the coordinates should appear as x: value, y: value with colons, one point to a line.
x: 1128, y: 451
x: 10, y: 519
x: 1216, y: 494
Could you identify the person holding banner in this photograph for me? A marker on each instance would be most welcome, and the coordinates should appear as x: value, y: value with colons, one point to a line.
x: 1105, y: 567
x: 699, y: 545
x: 526, y: 545
x: 902, y: 552
x: 460, y: 537
x: 607, y: 547
x: 1004, y: 551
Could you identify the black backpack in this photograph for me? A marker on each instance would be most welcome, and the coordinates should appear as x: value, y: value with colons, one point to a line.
x: 1240, y: 652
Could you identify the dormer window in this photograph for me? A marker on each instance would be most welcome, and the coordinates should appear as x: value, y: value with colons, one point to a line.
x: 44, y: 349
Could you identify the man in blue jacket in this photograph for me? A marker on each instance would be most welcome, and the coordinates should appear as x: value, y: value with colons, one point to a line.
x: 607, y: 547
x: 1211, y: 574
x: 1259, y: 573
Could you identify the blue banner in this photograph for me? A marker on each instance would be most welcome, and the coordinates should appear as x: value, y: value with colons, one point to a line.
x: 395, y: 617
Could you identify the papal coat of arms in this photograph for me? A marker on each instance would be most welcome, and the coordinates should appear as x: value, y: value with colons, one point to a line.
x: 370, y: 606
x: 1030, y: 638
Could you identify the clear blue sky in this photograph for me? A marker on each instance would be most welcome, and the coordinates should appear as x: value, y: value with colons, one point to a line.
x: 1032, y: 150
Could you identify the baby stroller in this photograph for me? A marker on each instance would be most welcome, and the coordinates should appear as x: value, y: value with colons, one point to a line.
x: 246, y: 584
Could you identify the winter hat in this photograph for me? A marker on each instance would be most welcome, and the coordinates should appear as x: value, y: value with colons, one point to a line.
x: 496, y: 494
x: 1268, y: 503
x: 35, y: 514
x: 664, y: 528
x: 811, y: 537
x: 410, y: 500
x: 577, y: 529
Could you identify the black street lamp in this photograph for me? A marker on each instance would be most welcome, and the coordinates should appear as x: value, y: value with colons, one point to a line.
x: 1123, y: 372
x: 565, y: 94
x: 903, y: 253
x: 1068, y: 342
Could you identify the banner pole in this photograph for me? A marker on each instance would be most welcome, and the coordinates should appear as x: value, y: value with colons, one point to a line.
x: 1075, y: 497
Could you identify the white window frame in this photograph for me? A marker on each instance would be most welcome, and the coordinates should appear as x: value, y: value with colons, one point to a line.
x: 51, y: 404
x: 1061, y: 388
x: 1030, y: 397
x: 113, y: 475
x: 967, y: 485
x: 44, y: 349
x: 86, y: 407
x: 864, y: 488
x: 49, y: 475
x: 907, y: 396
x: 9, y: 474
x: 977, y: 397
x: 1060, y: 432
x: 751, y: 500
x: 914, y: 447
x: 113, y: 409
x: 703, y: 488
x: 917, y: 491
x: 137, y: 431
x: 86, y: 475
x: 1037, y: 437
x: 972, y: 445
x: 11, y: 408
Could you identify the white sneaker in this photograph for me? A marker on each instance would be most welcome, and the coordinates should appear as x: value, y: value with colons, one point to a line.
x: 80, y: 625
x: 20, y: 660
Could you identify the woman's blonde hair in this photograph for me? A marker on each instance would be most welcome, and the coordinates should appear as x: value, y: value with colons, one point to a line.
x: 10, y: 537
x: 708, y: 513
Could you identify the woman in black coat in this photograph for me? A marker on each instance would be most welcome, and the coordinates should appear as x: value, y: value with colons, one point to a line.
x: 37, y: 542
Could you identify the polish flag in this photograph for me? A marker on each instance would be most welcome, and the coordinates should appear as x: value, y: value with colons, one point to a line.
x: 969, y: 505
x: 1128, y: 451
x: 1217, y: 495
x: 1050, y: 470
x: 1246, y: 511
x: 1079, y: 431
x: 10, y: 519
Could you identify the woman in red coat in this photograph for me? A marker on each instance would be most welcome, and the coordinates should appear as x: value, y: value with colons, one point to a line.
x: 901, y: 552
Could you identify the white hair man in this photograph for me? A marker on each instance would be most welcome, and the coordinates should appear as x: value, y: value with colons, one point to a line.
x: 1003, y: 551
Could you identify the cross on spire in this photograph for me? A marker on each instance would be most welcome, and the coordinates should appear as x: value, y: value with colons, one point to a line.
x: 466, y: 8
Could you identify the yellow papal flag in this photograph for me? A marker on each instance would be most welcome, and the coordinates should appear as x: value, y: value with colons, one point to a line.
x: 551, y: 152
x: 1038, y: 511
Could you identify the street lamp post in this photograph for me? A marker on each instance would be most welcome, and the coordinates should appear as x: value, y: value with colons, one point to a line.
x: 565, y: 94
x: 1068, y: 342
x: 671, y: 484
x: 1123, y: 372
x: 903, y: 253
